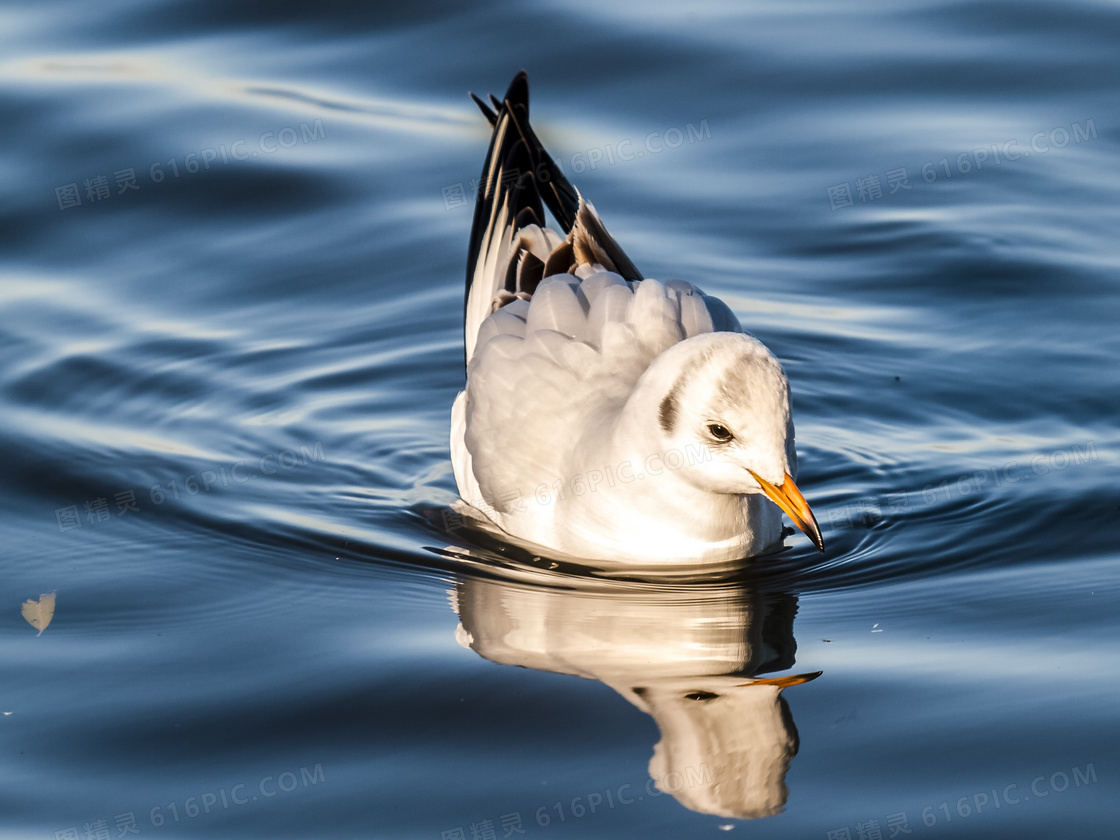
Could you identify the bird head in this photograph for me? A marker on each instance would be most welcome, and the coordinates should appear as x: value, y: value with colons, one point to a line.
x: 724, y: 395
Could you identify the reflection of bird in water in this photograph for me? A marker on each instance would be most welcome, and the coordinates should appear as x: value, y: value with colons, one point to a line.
x: 742, y: 730
x: 607, y: 416
x: 687, y: 656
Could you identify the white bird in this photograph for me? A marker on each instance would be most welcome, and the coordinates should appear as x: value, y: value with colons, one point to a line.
x: 605, y: 416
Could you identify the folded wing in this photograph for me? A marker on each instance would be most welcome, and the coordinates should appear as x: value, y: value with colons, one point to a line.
x: 511, y: 249
x: 558, y: 330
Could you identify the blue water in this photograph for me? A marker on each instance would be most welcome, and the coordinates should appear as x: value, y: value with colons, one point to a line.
x: 227, y: 373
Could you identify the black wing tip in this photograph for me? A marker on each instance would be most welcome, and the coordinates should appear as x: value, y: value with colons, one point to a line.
x: 516, y: 94
x: 519, y: 173
x: 491, y: 117
x: 518, y: 91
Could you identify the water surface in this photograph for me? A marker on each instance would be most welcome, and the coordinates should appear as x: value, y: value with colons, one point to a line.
x: 227, y: 374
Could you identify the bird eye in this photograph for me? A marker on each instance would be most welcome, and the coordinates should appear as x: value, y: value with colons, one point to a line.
x: 719, y: 432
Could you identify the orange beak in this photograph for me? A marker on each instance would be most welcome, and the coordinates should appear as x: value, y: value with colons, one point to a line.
x: 789, y: 499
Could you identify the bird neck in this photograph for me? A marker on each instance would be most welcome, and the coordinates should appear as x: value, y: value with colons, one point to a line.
x: 628, y: 469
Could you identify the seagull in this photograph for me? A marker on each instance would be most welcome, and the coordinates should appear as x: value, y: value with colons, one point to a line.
x: 607, y: 416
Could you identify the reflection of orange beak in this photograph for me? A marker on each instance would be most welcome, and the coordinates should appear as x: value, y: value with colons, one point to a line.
x: 789, y: 498
x: 786, y: 682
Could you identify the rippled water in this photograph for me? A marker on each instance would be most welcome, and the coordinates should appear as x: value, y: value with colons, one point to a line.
x: 227, y: 375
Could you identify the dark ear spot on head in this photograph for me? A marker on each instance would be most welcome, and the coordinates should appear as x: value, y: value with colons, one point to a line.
x: 668, y: 413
